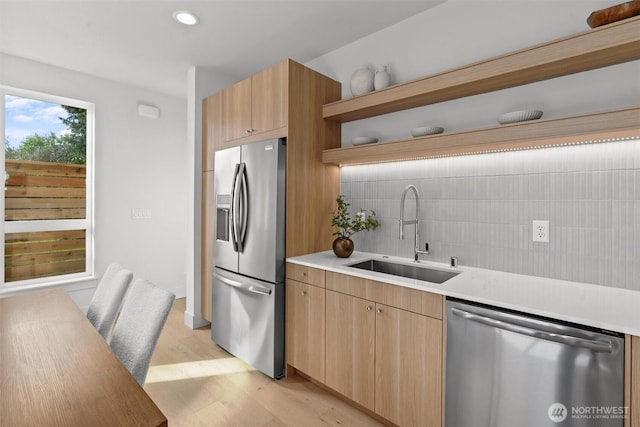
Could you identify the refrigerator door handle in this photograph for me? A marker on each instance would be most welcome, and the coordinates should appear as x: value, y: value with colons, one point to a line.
x: 244, y: 202
x: 242, y: 286
x: 235, y: 207
x: 593, y: 345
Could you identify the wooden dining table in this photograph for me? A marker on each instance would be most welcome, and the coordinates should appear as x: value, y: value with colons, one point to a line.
x: 56, y: 370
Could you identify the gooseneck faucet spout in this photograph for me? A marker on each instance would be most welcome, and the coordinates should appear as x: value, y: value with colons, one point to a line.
x: 403, y: 222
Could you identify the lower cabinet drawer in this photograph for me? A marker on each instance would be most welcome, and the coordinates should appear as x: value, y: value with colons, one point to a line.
x: 304, y: 274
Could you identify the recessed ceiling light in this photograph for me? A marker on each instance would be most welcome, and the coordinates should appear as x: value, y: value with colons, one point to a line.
x: 186, y: 18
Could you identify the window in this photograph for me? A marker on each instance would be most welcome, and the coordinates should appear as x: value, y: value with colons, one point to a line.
x: 47, y: 227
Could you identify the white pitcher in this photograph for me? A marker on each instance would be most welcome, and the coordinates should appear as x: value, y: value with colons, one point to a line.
x: 382, y: 78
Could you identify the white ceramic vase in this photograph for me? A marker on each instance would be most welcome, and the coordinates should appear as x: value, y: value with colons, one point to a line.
x: 361, y: 81
x: 382, y: 78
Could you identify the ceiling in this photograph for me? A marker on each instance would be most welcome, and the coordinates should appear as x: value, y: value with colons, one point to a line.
x: 138, y: 42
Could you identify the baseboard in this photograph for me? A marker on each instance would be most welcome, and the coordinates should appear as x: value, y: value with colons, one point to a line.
x: 194, y: 322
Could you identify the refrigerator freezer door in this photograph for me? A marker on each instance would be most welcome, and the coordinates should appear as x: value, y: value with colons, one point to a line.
x: 248, y: 320
x: 263, y: 232
x: 226, y: 165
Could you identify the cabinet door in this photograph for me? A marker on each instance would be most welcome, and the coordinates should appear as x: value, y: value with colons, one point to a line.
x: 408, y: 367
x: 635, y: 381
x: 350, y: 347
x: 269, y: 98
x: 236, y: 113
x: 306, y: 328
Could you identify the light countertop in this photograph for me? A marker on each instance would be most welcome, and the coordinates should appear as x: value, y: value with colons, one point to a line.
x: 598, y: 306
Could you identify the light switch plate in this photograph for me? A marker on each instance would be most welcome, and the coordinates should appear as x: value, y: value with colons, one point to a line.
x: 137, y: 213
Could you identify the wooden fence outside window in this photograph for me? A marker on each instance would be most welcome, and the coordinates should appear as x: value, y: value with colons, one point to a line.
x: 44, y: 191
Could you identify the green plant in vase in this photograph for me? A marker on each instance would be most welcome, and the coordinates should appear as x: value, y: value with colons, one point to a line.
x: 347, y: 226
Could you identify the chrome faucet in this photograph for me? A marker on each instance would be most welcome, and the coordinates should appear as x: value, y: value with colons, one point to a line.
x: 403, y: 222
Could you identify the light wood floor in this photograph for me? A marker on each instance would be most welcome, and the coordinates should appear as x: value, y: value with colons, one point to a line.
x: 196, y: 383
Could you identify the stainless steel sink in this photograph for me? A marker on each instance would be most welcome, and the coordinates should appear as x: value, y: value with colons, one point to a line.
x: 406, y: 270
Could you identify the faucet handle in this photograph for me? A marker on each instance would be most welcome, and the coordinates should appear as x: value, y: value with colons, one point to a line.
x: 417, y: 252
x: 426, y: 249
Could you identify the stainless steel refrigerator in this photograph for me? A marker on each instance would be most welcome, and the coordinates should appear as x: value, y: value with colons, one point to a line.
x: 249, y: 254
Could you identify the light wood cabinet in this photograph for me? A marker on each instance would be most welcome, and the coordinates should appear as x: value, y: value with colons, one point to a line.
x: 282, y: 101
x: 256, y: 105
x: 269, y: 100
x: 350, y: 347
x: 310, y: 275
x: 384, y: 348
x: 305, y: 326
x: 236, y: 115
x: 408, y: 385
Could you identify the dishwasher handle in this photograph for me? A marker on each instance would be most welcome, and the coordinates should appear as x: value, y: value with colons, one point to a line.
x: 593, y: 345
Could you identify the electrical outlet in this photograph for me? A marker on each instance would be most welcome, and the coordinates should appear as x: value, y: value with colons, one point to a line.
x: 541, y: 231
x: 362, y: 215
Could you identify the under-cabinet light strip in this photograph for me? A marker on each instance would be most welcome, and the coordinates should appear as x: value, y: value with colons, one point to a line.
x: 505, y: 150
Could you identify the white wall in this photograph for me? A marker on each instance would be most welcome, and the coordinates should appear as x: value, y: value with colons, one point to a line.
x: 458, y: 33
x: 201, y: 83
x: 139, y: 163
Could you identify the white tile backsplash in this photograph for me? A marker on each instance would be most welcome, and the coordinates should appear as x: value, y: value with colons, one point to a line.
x: 480, y: 207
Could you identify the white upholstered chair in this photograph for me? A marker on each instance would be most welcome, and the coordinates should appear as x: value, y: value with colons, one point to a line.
x: 143, y: 315
x: 108, y: 297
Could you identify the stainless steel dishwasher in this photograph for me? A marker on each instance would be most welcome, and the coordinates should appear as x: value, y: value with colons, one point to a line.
x: 506, y: 369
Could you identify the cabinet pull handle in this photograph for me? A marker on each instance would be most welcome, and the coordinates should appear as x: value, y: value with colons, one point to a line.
x: 378, y: 310
x: 369, y: 308
x: 303, y: 293
x: 304, y: 274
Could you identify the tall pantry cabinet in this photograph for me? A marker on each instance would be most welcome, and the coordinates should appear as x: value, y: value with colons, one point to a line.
x: 284, y: 100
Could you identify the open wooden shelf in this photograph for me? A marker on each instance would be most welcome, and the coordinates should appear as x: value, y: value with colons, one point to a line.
x: 587, y: 128
x: 599, y: 47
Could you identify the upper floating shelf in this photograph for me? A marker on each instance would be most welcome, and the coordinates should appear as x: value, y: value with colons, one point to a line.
x: 599, y: 47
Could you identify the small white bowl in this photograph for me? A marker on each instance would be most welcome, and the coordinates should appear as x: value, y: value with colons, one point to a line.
x: 519, y: 116
x: 426, y: 130
x: 359, y: 140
